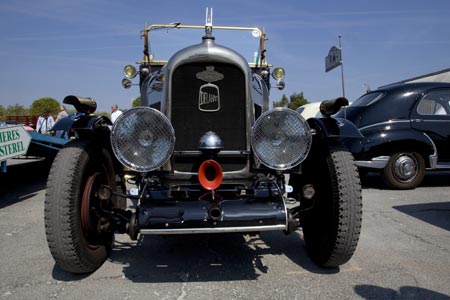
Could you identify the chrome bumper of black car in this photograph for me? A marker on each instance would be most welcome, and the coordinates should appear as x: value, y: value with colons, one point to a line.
x: 381, y: 161
x: 375, y: 163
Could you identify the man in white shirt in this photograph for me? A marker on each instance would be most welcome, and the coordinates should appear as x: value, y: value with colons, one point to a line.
x: 44, y: 124
x: 115, y: 113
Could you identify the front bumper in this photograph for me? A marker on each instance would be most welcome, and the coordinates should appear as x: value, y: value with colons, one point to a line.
x: 191, y: 217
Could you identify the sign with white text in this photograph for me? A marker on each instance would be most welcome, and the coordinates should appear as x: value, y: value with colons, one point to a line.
x: 14, y: 141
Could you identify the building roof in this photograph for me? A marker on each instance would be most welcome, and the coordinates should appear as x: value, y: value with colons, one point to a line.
x: 439, y: 76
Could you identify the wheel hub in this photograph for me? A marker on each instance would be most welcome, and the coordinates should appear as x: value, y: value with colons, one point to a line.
x: 405, y: 167
x: 89, y: 203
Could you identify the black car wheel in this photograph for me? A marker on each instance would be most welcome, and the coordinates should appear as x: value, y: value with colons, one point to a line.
x: 332, y: 227
x: 76, y: 226
x: 404, y: 170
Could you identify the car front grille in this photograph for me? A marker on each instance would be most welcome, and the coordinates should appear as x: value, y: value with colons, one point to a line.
x: 226, y: 117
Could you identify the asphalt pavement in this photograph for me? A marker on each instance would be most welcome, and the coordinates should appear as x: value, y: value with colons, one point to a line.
x: 403, y: 253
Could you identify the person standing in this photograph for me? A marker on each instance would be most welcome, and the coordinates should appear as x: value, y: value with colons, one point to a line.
x: 62, y: 113
x: 115, y: 113
x: 45, y: 124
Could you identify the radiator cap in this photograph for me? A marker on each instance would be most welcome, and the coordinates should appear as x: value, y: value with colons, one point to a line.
x: 210, y: 141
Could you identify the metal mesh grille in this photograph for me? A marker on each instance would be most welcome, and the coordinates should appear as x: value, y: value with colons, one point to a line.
x: 142, y: 139
x: 281, y: 139
x: 191, y: 123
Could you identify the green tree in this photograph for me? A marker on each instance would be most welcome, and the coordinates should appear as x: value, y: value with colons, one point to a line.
x: 282, y: 103
x: 136, y: 102
x: 297, y: 100
x: 71, y: 111
x: 103, y: 113
x: 16, y: 110
x: 2, y: 113
x: 45, y: 107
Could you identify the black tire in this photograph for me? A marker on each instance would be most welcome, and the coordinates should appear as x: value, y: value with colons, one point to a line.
x: 74, y: 238
x: 332, y: 227
x: 295, y: 180
x: 404, y: 171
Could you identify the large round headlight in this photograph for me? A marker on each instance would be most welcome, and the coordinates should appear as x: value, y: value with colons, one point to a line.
x: 278, y: 73
x: 281, y: 138
x: 142, y: 139
x: 130, y: 71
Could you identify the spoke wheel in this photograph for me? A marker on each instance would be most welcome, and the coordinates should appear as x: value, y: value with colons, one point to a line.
x: 90, y: 206
x: 76, y: 220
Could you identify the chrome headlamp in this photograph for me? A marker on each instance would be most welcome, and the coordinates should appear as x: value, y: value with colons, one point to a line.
x: 142, y: 139
x: 129, y: 71
x: 281, y: 138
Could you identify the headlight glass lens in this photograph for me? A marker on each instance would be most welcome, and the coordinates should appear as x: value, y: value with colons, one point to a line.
x: 278, y: 73
x: 129, y: 71
x: 281, y: 138
x: 142, y: 139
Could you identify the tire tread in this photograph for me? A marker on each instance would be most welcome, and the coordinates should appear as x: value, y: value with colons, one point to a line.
x: 62, y: 227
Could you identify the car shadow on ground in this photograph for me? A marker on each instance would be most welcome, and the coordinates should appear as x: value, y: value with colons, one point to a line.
x: 205, y: 257
x: 373, y: 292
x: 215, y: 257
x: 23, y: 180
x: 437, y: 214
x: 432, y: 179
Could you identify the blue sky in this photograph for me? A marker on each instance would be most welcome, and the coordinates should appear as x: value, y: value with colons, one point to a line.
x: 54, y: 48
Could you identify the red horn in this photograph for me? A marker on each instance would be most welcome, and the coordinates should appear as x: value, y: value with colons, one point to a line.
x: 210, y: 174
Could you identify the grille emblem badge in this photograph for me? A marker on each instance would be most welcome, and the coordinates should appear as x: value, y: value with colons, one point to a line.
x: 209, y: 98
x: 209, y: 75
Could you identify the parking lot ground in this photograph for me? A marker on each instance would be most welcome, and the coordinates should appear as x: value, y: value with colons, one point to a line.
x: 403, y: 253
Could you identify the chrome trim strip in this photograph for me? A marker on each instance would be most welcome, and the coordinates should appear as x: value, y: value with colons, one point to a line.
x: 443, y: 166
x: 165, y: 231
x: 239, y: 174
x: 430, y: 121
x: 433, y: 158
x: 388, y: 123
x: 220, y: 154
x: 375, y: 163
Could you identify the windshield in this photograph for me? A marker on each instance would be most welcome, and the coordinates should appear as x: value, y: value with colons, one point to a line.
x: 166, y: 40
x: 368, y: 99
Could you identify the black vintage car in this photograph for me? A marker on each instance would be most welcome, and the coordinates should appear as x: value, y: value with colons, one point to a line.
x: 203, y: 154
x: 407, y: 131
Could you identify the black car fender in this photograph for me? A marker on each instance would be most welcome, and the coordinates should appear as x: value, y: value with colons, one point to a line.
x: 386, y: 142
x: 334, y: 128
x: 84, y: 125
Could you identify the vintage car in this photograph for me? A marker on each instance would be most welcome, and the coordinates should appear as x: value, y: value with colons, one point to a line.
x: 203, y: 155
x: 310, y: 110
x: 407, y: 131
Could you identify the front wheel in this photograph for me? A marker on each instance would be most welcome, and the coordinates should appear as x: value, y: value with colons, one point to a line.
x: 332, y: 227
x: 76, y: 225
x: 404, y: 170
